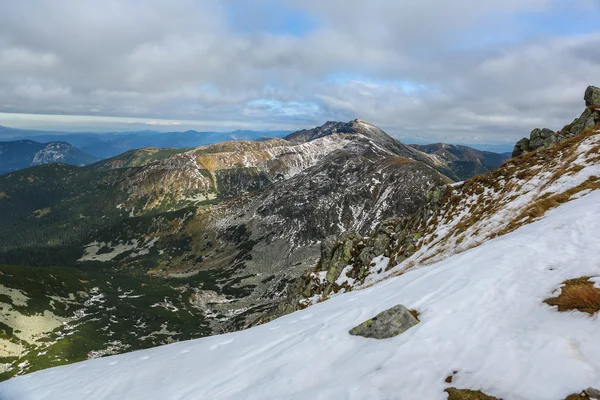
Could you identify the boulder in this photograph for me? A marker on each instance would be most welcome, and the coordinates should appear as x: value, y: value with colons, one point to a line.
x: 542, y: 138
x: 588, y: 119
x: 335, y: 256
x: 521, y: 147
x: 386, y: 324
x: 592, y: 96
x: 593, y: 393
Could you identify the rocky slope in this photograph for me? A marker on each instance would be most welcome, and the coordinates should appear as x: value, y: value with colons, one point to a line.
x: 21, y: 154
x: 223, y: 228
x: 459, y: 217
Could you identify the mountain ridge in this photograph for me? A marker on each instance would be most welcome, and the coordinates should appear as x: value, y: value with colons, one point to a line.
x: 19, y: 154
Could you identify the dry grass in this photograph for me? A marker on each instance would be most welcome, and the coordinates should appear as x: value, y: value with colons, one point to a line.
x: 577, y: 294
x: 415, y: 313
x: 545, y: 203
x: 465, y: 394
x: 41, y: 212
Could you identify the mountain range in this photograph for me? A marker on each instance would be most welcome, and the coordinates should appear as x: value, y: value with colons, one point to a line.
x: 21, y: 154
x: 224, y: 229
x: 166, y: 245
x: 110, y: 144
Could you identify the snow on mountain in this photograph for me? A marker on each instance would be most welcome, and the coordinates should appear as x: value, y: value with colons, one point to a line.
x: 481, y: 311
x: 19, y: 154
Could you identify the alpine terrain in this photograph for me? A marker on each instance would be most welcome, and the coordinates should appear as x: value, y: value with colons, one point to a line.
x: 182, y: 243
x: 360, y: 268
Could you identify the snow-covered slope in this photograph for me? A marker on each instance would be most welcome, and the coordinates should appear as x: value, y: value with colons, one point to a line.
x: 482, y: 315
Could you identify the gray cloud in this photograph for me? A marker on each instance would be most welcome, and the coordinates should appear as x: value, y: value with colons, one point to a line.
x: 455, y: 71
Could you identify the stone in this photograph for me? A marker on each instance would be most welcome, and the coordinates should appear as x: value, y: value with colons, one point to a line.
x: 593, y: 393
x: 386, y: 324
x: 542, y: 138
x: 521, y: 147
x: 588, y: 119
x: 592, y: 96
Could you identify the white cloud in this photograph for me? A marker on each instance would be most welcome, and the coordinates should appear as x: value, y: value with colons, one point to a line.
x: 183, y: 60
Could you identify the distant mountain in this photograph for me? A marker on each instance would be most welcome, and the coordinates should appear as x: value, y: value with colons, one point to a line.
x: 21, y: 154
x: 110, y: 144
x: 462, y: 162
x: 201, y: 240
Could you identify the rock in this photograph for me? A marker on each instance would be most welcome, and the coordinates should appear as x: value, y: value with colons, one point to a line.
x: 588, y: 119
x: 386, y: 324
x: 337, y: 256
x: 521, y: 147
x: 593, y: 393
x: 592, y: 96
x: 542, y: 138
x: 545, y: 138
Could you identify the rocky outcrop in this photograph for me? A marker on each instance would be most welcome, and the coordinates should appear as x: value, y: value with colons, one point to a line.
x: 545, y: 138
x: 539, y: 138
x: 588, y: 119
x: 593, y: 393
x: 592, y: 96
x: 386, y: 324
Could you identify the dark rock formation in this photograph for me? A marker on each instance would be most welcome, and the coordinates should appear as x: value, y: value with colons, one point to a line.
x: 592, y: 96
x: 544, y: 138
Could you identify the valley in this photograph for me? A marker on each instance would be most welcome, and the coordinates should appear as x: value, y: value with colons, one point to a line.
x: 223, y: 231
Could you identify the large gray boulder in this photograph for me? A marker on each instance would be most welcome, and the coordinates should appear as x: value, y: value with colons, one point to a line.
x: 386, y: 324
x: 521, y: 147
x: 542, y: 138
x: 537, y: 139
x: 589, y: 118
x: 592, y: 96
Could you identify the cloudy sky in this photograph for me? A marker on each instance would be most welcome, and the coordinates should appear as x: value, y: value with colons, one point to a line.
x: 464, y: 71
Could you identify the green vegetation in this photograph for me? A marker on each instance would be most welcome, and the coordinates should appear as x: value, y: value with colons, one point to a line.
x: 103, y: 314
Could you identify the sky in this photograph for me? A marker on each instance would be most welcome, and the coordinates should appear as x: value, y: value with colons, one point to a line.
x: 466, y: 71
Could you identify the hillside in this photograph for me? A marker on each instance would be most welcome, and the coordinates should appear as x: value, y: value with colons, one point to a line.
x: 460, y: 217
x: 483, y: 326
x: 462, y: 162
x: 225, y: 228
x: 21, y: 154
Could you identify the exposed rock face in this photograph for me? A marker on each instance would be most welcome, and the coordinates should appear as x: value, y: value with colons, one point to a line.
x: 386, y: 324
x: 589, y: 118
x: 521, y: 147
x: 538, y: 138
x: 593, y: 393
x: 287, y: 224
x: 350, y: 258
x: 544, y: 138
x: 592, y: 96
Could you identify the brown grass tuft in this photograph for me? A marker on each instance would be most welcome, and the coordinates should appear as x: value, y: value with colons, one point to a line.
x: 465, y: 394
x: 577, y: 294
x: 415, y: 313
